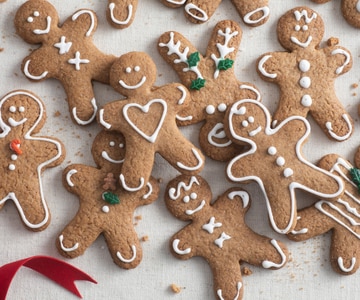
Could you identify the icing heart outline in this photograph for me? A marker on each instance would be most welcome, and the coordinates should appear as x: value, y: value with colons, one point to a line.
x: 145, y: 108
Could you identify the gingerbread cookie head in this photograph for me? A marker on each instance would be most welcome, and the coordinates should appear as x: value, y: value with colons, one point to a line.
x: 108, y: 149
x: 184, y: 205
x: 35, y: 19
x: 133, y: 74
x: 300, y: 27
x: 22, y: 113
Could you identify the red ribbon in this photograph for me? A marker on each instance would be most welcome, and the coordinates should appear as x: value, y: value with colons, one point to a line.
x: 61, y: 272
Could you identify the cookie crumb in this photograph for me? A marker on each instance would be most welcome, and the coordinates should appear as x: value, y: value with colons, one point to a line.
x: 246, y: 271
x: 175, y: 288
x: 354, y: 85
x: 1, y: 49
x: 138, y: 217
x: 57, y: 114
x: 145, y: 238
x: 160, y: 180
x: 332, y: 41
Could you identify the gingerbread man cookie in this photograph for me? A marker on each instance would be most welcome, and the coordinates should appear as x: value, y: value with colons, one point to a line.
x: 275, y: 161
x: 350, y: 10
x: 66, y: 53
x: 306, y: 73
x: 147, y: 120
x: 206, y: 76
x: 25, y: 156
x: 218, y: 233
x: 342, y: 217
x: 121, y: 13
x: 105, y: 208
x: 253, y: 12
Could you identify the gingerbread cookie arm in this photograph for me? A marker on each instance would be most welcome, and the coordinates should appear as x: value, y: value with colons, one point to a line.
x: 73, y: 177
x: 310, y: 223
x: 85, y: 20
x: 344, y: 259
x: 270, y: 66
x: 33, y: 66
x: 339, y: 59
x: 180, y: 246
x: 120, y: 14
x: 232, y: 287
x: 253, y: 13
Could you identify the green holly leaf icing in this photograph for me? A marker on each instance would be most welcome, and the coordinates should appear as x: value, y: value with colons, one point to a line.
x: 355, y: 177
x: 225, y: 64
x: 197, y: 84
x: 111, y: 198
x: 193, y: 59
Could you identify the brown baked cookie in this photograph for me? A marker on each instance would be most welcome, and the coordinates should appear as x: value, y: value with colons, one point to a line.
x: 212, y: 82
x: 306, y: 73
x: 253, y: 12
x: 350, y: 10
x: 66, y: 53
x: 147, y: 120
x: 121, y: 13
x: 25, y: 156
x: 275, y: 161
x: 218, y: 233
x: 342, y: 217
x: 105, y: 208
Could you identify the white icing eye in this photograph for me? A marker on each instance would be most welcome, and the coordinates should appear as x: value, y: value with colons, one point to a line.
x: 222, y: 107
x: 186, y: 199
x: 36, y: 14
x: 112, y: 144
x: 128, y: 70
x: 30, y: 19
x: 242, y: 110
x: 12, y: 109
x: 137, y: 69
x: 21, y: 109
x: 305, y: 28
x: 210, y: 109
x: 245, y: 123
x: 251, y: 119
x: 297, y: 28
x: 121, y: 145
x: 193, y: 196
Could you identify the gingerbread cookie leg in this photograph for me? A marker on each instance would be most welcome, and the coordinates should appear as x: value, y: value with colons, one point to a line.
x: 76, y: 238
x: 81, y: 99
x: 125, y: 248
x: 121, y: 13
x: 253, y: 13
x: 344, y: 259
x: 232, y: 287
x: 199, y: 11
x: 189, y: 160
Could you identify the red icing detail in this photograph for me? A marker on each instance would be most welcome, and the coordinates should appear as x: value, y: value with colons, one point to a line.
x: 15, y: 146
x: 59, y: 271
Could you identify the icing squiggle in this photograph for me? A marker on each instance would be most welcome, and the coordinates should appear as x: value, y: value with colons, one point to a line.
x: 269, y: 264
x: 175, y: 246
x: 66, y: 249
x: 117, y: 21
x: 31, y: 76
x: 86, y: 122
x: 130, y: 260
x: 197, y: 167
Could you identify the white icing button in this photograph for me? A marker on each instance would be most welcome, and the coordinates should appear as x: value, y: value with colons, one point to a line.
x: 272, y: 150
x: 210, y: 109
x: 288, y: 172
x: 245, y: 123
x: 222, y: 107
x: 306, y: 101
x: 105, y: 209
x: 305, y: 82
x: 280, y: 161
x: 14, y: 157
x: 304, y: 65
x: 11, y: 167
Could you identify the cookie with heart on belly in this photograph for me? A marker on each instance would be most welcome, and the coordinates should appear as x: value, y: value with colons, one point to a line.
x: 147, y: 119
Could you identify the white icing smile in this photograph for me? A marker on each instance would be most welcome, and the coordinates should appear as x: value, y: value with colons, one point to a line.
x: 302, y: 44
x: 14, y: 123
x: 46, y: 30
x: 106, y: 156
x: 133, y: 87
x: 190, y: 212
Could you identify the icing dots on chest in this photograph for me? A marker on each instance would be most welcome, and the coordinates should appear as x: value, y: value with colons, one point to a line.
x: 280, y: 161
x: 305, y: 81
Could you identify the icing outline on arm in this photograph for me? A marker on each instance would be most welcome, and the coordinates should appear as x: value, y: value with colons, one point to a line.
x: 33, y: 77
x: 92, y: 17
